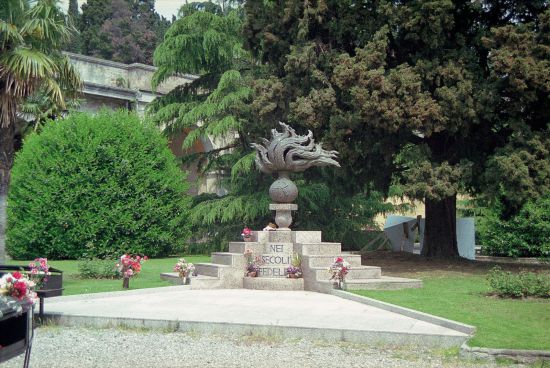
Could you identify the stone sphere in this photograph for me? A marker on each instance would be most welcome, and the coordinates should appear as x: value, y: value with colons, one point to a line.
x: 283, y: 190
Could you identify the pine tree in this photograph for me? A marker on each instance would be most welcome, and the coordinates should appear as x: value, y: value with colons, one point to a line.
x: 407, y: 91
x: 74, y: 18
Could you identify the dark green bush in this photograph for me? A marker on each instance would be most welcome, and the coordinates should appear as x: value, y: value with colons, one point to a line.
x: 525, y: 235
x: 523, y: 284
x: 100, y: 185
x: 97, y: 269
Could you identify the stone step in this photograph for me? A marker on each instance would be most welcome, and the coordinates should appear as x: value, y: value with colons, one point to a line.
x: 383, y: 283
x: 235, y: 260
x: 172, y: 277
x: 240, y: 247
x: 326, y: 260
x: 175, y: 278
x: 210, y: 269
x: 318, y: 248
x: 355, y: 273
x: 273, y: 283
x: 205, y: 282
x: 287, y: 236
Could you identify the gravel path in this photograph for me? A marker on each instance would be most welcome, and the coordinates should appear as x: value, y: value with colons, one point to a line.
x: 72, y: 347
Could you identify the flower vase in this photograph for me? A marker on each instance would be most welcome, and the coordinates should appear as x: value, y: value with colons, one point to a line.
x: 252, y: 274
x: 125, y: 282
x: 292, y: 276
x: 247, y: 239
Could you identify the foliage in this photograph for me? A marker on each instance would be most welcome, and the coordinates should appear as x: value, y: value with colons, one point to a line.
x: 229, y: 98
x: 74, y: 17
x: 32, y: 34
x: 519, y: 285
x: 420, y: 93
x: 100, y: 185
x: 97, y: 269
x: 121, y: 30
x: 526, y: 234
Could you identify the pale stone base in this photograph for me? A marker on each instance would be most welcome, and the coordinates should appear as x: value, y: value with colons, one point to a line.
x: 227, y: 269
x: 273, y: 283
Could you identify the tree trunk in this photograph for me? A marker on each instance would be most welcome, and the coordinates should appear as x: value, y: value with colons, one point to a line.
x: 440, y: 232
x: 7, y: 136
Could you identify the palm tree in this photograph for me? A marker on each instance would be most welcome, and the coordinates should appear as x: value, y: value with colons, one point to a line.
x: 32, y: 33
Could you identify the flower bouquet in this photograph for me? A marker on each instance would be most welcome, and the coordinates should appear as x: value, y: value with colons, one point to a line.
x: 294, y: 271
x: 185, y: 270
x: 252, y: 264
x: 19, y: 287
x: 39, y: 271
x: 247, y: 234
x: 339, y: 269
x: 128, y: 267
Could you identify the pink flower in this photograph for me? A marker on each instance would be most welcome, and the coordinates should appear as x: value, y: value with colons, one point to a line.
x: 17, y: 275
x: 338, y: 260
x: 145, y: 258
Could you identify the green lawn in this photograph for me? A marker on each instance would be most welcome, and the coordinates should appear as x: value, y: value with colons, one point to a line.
x: 501, y: 323
x: 148, y: 278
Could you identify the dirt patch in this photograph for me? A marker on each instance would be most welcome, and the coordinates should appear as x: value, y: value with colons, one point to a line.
x: 411, y: 265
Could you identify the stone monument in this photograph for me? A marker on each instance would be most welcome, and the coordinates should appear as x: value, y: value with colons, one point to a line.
x: 285, y: 153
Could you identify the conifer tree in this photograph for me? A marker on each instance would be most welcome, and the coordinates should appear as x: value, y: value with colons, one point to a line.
x: 207, y: 41
x: 74, y: 18
x: 408, y: 92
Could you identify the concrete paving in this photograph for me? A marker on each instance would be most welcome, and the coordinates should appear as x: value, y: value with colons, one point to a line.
x: 301, y: 314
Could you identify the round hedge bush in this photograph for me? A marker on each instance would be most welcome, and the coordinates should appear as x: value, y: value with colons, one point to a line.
x: 96, y: 186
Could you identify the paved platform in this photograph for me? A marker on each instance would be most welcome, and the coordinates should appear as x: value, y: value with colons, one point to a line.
x: 300, y: 314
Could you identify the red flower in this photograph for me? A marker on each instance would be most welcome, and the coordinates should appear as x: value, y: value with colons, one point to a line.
x: 20, y: 289
x: 17, y: 275
x: 339, y: 260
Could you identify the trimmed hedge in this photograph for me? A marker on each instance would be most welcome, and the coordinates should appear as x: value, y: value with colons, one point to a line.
x: 96, y: 185
x: 525, y: 235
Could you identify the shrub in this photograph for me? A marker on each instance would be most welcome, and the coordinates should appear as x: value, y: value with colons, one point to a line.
x: 99, y: 185
x: 97, y: 269
x: 523, y: 284
x: 525, y: 235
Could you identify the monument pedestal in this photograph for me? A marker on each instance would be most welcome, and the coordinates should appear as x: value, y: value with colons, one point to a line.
x: 275, y: 248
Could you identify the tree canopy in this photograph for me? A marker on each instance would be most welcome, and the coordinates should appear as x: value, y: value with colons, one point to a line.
x: 435, y: 97
x: 121, y: 30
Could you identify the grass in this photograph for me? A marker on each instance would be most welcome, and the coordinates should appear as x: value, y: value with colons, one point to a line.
x: 149, y: 276
x: 501, y: 323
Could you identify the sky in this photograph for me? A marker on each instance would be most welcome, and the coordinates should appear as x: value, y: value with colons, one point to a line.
x: 166, y: 8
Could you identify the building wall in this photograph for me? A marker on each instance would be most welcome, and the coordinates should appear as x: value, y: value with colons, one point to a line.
x: 113, y: 85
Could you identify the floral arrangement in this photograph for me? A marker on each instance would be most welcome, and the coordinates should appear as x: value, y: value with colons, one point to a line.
x: 252, y: 263
x: 39, y: 270
x: 183, y: 268
x: 246, y: 234
x: 295, y: 269
x: 129, y: 266
x: 18, y: 286
x: 339, y: 269
x: 293, y: 272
